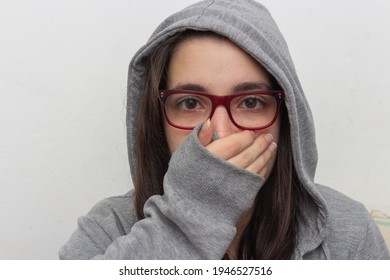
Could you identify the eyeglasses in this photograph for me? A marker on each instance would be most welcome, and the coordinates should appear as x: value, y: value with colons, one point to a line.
x: 253, y: 110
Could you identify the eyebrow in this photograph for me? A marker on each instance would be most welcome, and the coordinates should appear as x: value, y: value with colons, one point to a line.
x: 251, y: 86
x: 246, y: 86
x: 193, y: 87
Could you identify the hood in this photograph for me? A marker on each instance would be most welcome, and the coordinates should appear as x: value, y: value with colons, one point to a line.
x: 250, y: 26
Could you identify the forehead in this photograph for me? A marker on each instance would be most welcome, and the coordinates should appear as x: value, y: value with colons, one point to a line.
x: 213, y: 62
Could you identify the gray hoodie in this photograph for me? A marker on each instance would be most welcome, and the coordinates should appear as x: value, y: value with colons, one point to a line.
x: 195, y: 219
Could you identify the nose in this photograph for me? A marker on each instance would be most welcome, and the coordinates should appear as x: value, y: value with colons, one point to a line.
x: 222, y: 123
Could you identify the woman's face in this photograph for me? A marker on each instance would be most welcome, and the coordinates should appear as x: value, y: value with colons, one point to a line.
x: 218, y: 67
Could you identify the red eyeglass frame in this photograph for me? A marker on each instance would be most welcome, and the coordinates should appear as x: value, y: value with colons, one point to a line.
x: 217, y: 100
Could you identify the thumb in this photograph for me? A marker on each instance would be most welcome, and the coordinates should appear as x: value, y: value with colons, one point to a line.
x: 206, y: 133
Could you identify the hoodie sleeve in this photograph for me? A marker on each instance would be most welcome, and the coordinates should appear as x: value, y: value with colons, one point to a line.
x: 204, y: 197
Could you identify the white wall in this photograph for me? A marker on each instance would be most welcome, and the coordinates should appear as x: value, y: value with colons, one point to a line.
x: 63, y: 68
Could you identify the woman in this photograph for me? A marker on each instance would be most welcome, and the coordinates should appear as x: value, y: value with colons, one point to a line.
x: 222, y: 153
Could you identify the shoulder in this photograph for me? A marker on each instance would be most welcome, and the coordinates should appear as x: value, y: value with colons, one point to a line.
x: 339, y: 205
x: 345, y: 215
x: 115, y: 212
x: 350, y: 230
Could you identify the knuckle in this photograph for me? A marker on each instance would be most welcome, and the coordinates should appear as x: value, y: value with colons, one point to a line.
x: 262, y: 161
x: 240, y: 142
x: 235, y: 147
x: 261, y: 144
x: 247, y: 158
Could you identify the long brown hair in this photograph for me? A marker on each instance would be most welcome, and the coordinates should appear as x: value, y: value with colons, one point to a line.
x: 272, y: 231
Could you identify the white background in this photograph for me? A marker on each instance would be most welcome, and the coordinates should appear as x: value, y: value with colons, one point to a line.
x: 63, y: 71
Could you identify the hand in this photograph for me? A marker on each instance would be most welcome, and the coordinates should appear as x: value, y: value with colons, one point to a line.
x: 242, y: 149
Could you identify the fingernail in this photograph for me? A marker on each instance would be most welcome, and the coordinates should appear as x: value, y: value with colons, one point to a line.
x: 207, y: 124
x: 205, y: 127
x: 268, y: 138
x: 272, y: 147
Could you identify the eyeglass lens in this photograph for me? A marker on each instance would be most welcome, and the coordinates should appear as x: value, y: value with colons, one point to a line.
x: 251, y: 110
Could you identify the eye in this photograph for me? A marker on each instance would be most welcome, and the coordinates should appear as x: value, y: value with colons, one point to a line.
x: 189, y: 103
x: 252, y: 103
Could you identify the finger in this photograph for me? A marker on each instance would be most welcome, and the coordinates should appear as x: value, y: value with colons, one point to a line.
x: 230, y: 146
x: 205, y: 134
x: 250, y: 154
x: 261, y: 162
x: 264, y: 171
